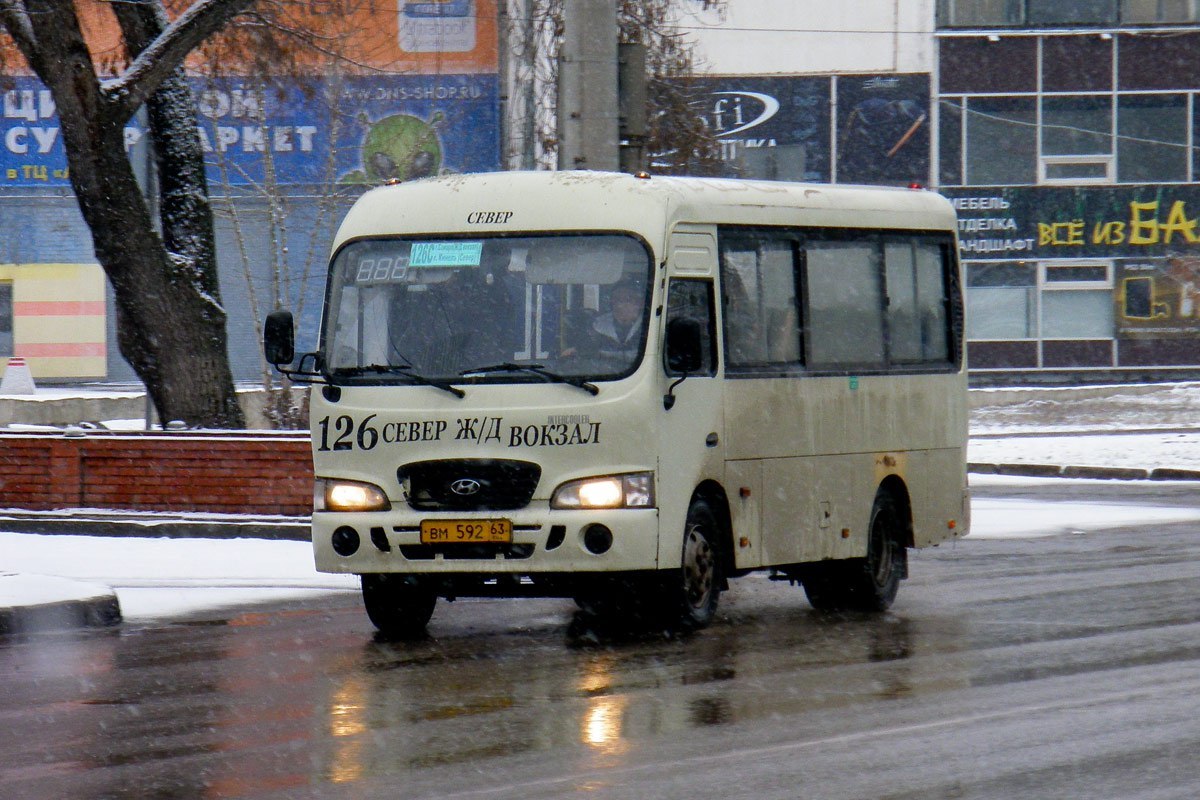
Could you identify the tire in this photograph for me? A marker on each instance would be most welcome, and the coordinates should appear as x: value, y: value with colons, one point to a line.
x: 693, y: 591
x: 863, y: 584
x: 399, y: 606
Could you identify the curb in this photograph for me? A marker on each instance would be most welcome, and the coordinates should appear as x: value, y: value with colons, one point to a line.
x: 94, y: 607
x: 74, y: 522
x: 1095, y: 473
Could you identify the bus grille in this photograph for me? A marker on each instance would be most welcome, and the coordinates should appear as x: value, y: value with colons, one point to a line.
x: 464, y: 484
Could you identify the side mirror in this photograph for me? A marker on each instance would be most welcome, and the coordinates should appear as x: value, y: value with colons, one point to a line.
x: 685, y: 345
x: 279, y: 344
x: 685, y: 353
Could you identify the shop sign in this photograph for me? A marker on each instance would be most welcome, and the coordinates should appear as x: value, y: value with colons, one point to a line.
x: 1150, y: 233
x: 330, y: 132
x: 1077, y: 222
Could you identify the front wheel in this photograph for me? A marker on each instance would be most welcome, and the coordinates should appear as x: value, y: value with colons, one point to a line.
x: 693, y: 591
x: 398, y: 605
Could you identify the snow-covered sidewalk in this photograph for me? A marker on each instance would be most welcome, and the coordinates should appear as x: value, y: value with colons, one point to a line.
x: 153, y: 578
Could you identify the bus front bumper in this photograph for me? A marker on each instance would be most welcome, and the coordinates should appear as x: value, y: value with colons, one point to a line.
x: 592, y: 541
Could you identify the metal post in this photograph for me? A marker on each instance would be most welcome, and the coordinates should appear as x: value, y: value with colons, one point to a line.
x: 587, y: 87
x: 631, y: 89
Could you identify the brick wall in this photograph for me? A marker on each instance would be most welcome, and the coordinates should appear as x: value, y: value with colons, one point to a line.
x: 227, y: 472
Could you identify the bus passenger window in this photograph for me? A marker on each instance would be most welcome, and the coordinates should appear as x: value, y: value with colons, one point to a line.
x: 916, y: 286
x: 761, y: 323
x: 844, y: 304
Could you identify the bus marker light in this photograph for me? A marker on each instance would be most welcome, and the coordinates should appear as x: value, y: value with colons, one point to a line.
x: 845, y: 533
x: 744, y: 491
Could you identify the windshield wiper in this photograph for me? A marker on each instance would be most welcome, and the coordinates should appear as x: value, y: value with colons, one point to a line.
x: 536, y: 369
x: 403, y: 370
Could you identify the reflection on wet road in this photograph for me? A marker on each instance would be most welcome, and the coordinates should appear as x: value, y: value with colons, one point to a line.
x: 1059, y: 667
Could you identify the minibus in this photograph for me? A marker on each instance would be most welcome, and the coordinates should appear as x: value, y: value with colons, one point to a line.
x: 629, y: 390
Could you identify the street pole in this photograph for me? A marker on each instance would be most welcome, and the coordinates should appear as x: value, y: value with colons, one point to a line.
x: 588, y: 118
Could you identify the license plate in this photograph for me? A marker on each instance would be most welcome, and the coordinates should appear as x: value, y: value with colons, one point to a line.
x: 465, y: 531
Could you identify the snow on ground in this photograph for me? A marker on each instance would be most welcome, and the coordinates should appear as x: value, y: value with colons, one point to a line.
x: 1142, y: 450
x: 159, y: 577
x: 1085, y: 408
x: 1010, y: 518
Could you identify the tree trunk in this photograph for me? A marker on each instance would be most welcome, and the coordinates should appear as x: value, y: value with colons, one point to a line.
x: 170, y: 323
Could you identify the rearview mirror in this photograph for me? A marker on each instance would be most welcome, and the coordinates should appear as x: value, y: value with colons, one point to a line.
x: 279, y: 343
x: 685, y: 345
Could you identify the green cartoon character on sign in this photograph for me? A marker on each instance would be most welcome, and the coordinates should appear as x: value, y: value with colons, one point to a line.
x: 399, y: 148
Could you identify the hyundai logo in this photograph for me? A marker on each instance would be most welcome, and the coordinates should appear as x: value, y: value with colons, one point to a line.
x: 465, y: 487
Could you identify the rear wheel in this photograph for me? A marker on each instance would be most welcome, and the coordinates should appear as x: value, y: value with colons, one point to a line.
x: 398, y: 605
x: 863, y: 584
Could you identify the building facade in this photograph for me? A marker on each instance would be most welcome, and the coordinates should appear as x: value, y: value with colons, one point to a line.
x: 416, y: 93
x: 1067, y: 140
x: 1064, y: 131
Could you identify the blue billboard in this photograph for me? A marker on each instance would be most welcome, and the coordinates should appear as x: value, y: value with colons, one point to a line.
x: 347, y: 131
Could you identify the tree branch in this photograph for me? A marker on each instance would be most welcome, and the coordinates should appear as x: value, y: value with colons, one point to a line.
x: 124, y: 95
x: 14, y: 18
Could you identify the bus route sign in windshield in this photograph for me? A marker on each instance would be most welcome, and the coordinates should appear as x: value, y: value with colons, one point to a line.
x: 445, y: 254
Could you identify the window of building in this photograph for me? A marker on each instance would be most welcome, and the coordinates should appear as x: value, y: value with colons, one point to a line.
x: 1076, y: 169
x: 1076, y: 139
x: 1150, y: 11
x: 1157, y: 61
x: 995, y: 13
x: 988, y: 64
x: 1001, y: 141
x: 1071, y: 12
x: 1076, y: 125
x: 971, y: 13
x: 950, y: 134
x: 982, y: 13
x: 1152, y: 138
x: 1001, y: 301
x: 1077, y: 63
x: 1077, y: 301
x: 6, y: 319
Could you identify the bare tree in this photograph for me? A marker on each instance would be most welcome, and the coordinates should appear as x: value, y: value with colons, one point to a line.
x: 678, y: 141
x: 160, y: 261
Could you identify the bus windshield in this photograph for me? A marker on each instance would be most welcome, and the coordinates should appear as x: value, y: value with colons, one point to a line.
x: 486, y: 309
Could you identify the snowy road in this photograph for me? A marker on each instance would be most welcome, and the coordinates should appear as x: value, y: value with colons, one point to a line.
x: 1034, y: 662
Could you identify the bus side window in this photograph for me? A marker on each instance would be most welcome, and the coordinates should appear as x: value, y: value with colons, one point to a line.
x: 759, y: 293
x: 693, y: 299
x: 917, y: 303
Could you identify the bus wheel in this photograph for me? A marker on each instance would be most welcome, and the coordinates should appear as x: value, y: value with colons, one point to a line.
x: 694, y: 590
x: 398, y: 605
x: 863, y: 584
x: 878, y: 580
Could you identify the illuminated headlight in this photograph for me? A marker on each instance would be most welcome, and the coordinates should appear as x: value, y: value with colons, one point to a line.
x: 338, y: 495
x: 635, y: 490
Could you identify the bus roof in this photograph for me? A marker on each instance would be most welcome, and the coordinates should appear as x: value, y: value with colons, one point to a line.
x: 521, y: 202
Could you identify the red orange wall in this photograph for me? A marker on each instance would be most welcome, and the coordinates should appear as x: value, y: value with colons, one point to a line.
x: 158, y: 471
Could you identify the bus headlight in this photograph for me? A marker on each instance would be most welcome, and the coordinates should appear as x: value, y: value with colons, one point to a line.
x: 338, y: 495
x: 635, y: 490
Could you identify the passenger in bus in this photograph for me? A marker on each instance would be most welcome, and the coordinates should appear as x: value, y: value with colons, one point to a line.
x: 613, y: 334
x: 619, y: 329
